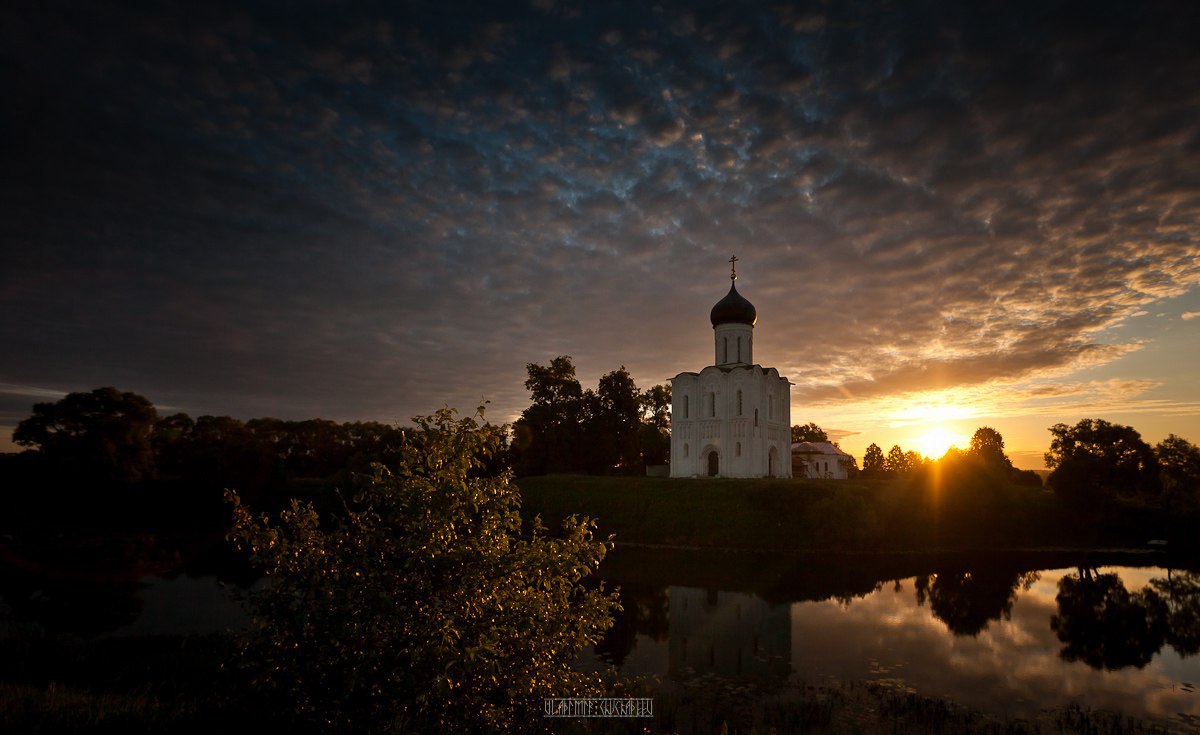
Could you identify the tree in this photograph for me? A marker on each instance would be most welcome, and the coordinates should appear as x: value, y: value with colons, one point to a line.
x: 1179, y: 464
x: 655, y: 433
x: 616, y: 423
x: 548, y: 436
x: 104, y: 435
x: 809, y: 432
x: 873, y: 461
x: 1095, y: 460
x: 987, y: 447
x: 897, y: 461
x: 422, y: 607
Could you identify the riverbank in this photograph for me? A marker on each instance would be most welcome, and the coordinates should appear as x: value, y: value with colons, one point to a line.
x: 184, y: 685
x: 841, y: 515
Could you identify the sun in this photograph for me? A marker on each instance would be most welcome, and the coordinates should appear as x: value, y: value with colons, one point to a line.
x: 934, y: 443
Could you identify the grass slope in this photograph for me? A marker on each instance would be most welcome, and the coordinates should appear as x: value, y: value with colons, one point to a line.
x: 838, y: 515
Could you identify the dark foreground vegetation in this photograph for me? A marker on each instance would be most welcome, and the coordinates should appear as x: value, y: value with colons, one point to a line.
x: 185, y: 686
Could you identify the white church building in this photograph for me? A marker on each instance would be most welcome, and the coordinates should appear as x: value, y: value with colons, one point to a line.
x: 733, y: 418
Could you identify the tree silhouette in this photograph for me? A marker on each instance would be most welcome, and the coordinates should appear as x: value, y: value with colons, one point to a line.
x: 809, y: 432
x: 1095, y: 460
x: 873, y: 461
x: 967, y: 601
x: 987, y: 447
x: 104, y: 435
x: 1104, y: 625
x: 1181, y: 594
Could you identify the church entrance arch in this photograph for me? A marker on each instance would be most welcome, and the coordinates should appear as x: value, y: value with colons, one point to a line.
x: 714, y: 463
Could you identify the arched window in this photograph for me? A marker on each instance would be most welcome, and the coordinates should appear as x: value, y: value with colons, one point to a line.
x: 685, y: 407
x: 685, y: 450
x: 770, y: 407
x: 739, y: 349
x: 756, y: 417
x: 739, y: 402
x: 712, y: 404
x: 737, y: 451
x: 725, y: 356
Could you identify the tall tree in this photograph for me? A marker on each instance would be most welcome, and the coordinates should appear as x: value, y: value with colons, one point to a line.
x: 612, y: 429
x: 897, y: 461
x: 1179, y: 464
x: 548, y: 434
x: 655, y: 432
x: 987, y: 447
x: 809, y: 432
x: 873, y: 461
x: 1096, y: 460
x: 103, y: 435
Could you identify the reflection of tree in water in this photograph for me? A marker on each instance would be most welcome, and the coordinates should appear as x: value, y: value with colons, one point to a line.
x: 967, y: 601
x: 1105, y: 625
x: 645, y: 612
x: 1181, y: 596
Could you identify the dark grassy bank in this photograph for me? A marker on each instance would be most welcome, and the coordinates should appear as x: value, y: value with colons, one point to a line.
x: 186, y: 686
x: 848, y: 515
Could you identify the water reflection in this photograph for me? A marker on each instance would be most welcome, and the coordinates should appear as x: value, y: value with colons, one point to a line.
x: 728, y: 634
x: 1104, y: 625
x: 992, y: 636
x: 967, y: 601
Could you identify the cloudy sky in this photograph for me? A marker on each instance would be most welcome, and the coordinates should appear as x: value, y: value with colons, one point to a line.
x: 948, y: 214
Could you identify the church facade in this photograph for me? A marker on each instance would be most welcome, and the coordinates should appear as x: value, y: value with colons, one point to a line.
x: 733, y: 418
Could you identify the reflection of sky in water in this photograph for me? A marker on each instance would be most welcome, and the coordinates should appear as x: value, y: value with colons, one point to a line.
x: 1012, y: 667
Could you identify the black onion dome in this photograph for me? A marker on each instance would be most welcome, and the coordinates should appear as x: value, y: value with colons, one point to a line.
x: 733, y: 309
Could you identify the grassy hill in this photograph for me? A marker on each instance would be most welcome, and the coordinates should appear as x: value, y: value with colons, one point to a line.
x: 834, y: 515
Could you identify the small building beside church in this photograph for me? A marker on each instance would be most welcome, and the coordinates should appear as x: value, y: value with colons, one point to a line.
x: 819, y: 459
x: 733, y: 418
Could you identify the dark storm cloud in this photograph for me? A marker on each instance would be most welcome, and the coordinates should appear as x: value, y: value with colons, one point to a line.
x: 373, y: 211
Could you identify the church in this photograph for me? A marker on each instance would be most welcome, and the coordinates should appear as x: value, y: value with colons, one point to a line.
x: 733, y: 418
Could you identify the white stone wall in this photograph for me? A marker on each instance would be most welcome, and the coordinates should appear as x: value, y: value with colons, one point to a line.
x: 733, y: 344
x: 706, y: 417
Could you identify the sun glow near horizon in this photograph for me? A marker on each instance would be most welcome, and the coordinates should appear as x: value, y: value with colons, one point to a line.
x: 934, y: 443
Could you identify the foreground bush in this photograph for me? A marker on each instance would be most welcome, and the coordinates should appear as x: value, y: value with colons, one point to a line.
x: 421, y: 607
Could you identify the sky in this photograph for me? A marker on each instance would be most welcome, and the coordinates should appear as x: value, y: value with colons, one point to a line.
x: 948, y: 214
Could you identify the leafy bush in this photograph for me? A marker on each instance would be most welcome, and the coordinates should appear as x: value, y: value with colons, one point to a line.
x: 421, y: 607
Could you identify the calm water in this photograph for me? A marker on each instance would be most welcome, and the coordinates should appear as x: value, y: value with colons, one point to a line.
x: 995, y: 636
x: 1002, y: 634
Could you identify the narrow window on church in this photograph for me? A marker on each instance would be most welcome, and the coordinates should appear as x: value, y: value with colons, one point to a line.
x: 770, y: 407
x: 685, y: 407
x: 826, y: 467
x: 725, y: 357
x: 738, y: 450
x: 739, y: 349
x: 756, y: 417
x: 712, y: 404
x: 739, y: 399
x: 685, y: 450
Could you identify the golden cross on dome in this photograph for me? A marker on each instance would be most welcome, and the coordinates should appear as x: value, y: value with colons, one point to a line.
x: 733, y: 268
